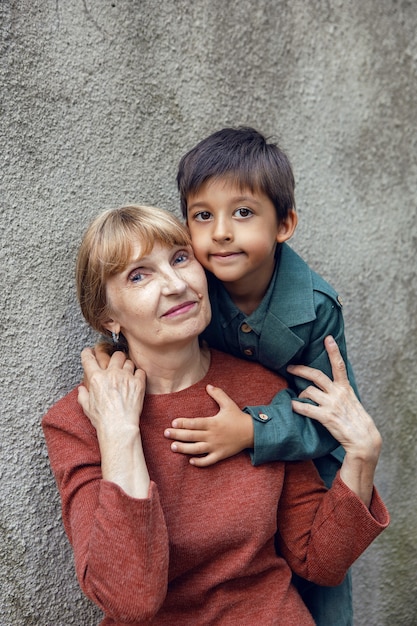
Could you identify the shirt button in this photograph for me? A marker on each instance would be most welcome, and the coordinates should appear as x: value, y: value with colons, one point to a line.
x: 263, y: 417
x: 248, y: 352
x: 245, y: 328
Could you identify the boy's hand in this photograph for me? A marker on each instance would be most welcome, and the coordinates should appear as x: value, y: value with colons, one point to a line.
x: 218, y: 437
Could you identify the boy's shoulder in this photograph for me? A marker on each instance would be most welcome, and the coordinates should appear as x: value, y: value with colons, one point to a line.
x: 297, y: 284
x: 299, y: 296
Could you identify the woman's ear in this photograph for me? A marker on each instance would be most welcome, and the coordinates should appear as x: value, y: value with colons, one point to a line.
x: 287, y: 227
x: 112, y: 326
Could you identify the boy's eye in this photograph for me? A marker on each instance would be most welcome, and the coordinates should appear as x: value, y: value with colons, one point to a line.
x: 202, y: 216
x: 243, y: 212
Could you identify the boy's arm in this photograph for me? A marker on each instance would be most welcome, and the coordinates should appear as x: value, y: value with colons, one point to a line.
x: 283, y: 436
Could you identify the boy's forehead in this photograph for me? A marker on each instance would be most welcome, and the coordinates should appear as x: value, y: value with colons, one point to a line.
x: 227, y: 185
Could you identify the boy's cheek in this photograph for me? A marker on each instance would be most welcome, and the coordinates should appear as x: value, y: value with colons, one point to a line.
x: 198, y: 241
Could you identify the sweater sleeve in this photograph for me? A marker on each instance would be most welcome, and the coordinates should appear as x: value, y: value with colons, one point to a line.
x: 120, y: 543
x: 322, y: 532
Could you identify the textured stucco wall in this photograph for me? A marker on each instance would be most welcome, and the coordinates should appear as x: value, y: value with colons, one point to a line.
x: 99, y: 99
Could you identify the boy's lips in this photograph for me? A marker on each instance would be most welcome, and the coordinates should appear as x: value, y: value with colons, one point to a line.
x: 224, y: 257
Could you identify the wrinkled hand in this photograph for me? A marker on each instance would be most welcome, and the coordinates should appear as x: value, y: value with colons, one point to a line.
x: 102, y: 355
x: 114, y: 397
x: 218, y: 437
x: 338, y: 408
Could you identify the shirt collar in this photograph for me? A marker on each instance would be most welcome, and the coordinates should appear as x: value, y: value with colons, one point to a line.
x: 229, y: 311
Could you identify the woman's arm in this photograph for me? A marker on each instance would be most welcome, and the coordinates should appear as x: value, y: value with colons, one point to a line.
x: 339, y: 410
x: 120, y: 541
x: 113, y: 403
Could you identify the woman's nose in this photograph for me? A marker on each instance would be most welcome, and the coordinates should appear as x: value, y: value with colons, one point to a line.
x: 172, y: 282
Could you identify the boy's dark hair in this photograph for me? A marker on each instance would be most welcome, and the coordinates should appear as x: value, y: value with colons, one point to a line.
x: 246, y: 157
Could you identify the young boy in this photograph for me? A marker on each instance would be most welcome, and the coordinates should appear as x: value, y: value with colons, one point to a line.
x: 237, y: 196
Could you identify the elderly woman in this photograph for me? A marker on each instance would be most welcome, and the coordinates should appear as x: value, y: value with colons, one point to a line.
x: 156, y: 540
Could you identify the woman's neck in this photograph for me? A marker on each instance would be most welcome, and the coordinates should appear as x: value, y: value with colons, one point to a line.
x: 172, y: 369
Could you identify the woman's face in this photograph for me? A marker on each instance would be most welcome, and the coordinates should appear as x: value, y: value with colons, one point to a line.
x: 159, y: 299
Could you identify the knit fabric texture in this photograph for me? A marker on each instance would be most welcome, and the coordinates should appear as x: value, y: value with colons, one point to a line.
x: 200, y: 550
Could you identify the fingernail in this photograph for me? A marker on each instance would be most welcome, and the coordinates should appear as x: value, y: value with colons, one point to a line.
x: 175, y: 424
x: 174, y: 447
x: 166, y: 433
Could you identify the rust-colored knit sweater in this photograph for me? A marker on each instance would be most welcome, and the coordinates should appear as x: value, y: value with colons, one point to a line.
x: 200, y: 550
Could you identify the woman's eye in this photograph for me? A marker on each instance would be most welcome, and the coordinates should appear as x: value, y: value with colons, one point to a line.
x: 181, y: 257
x: 243, y: 212
x: 136, y: 276
x: 203, y: 216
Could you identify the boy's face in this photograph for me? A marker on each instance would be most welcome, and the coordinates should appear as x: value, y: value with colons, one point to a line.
x: 235, y: 231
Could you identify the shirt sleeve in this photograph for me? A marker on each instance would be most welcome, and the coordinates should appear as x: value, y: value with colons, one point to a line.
x: 281, y: 434
x: 310, y: 522
x: 120, y: 543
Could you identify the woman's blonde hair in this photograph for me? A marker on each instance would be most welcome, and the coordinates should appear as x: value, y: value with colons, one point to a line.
x: 106, y: 249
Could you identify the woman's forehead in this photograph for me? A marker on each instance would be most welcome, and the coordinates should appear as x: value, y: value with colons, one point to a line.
x: 139, y: 248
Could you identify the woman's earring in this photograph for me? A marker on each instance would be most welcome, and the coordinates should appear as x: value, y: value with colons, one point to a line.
x: 115, y: 337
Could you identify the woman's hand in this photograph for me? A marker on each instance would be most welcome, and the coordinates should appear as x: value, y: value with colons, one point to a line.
x: 102, y: 356
x: 115, y: 395
x: 339, y: 410
x: 113, y: 403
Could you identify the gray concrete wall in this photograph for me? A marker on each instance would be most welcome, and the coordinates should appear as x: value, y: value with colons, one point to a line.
x: 99, y: 99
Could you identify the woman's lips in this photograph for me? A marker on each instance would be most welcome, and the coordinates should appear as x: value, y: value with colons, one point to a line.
x: 179, y: 309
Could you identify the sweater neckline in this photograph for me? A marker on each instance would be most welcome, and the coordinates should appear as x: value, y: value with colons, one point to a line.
x: 200, y: 383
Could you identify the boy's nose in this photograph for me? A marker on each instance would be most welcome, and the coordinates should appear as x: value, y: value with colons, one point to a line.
x: 222, y: 231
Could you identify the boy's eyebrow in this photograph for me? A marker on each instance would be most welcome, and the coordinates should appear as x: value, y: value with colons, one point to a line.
x: 234, y: 199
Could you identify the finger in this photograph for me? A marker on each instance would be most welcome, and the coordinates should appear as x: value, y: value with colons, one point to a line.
x: 204, y: 461
x: 317, y: 377
x: 117, y: 360
x: 309, y: 410
x: 190, y: 423
x: 129, y: 366
x: 89, y: 361
x: 184, y: 435
x: 336, y: 361
x: 83, y: 397
x: 101, y: 351
x: 219, y: 396
x: 140, y: 375
x: 190, y: 448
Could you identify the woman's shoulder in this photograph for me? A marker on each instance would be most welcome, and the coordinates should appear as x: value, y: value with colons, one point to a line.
x: 66, y: 413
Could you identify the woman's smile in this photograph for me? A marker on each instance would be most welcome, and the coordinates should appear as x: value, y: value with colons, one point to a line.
x: 180, y: 309
x: 160, y: 298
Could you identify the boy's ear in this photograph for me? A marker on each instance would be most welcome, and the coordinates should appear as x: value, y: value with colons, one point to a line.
x: 287, y: 227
